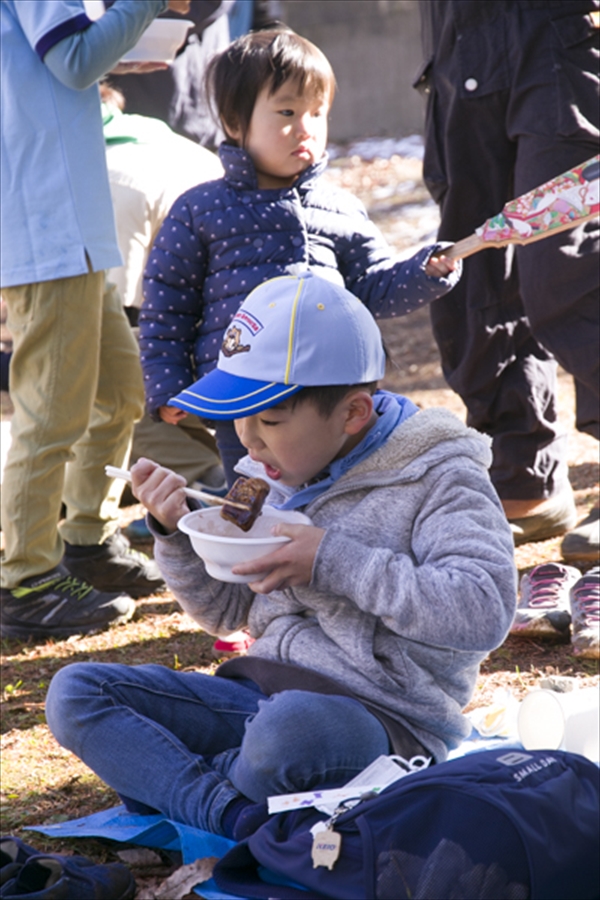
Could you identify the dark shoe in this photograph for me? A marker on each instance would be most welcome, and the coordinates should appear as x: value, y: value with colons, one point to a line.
x: 559, y: 516
x: 53, y: 877
x: 13, y: 854
x: 57, y: 605
x: 585, y: 613
x: 583, y: 543
x: 544, y: 608
x: 115, y: 566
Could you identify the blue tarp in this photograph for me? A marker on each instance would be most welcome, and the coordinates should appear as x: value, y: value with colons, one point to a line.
x: 117, y: 824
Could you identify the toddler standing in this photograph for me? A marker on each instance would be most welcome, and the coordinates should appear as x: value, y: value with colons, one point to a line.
x: 271, y: 214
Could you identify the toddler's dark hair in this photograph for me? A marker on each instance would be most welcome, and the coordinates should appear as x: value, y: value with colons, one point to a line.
x: 260, y: 59
x: 326, y: 397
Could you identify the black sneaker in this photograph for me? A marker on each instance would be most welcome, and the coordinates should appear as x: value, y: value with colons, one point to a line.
x: 54, y: 877
x: 57, y: 605
x: 114, y: 566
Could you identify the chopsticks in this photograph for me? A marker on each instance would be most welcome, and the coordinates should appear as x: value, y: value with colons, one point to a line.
x: 114, y: 472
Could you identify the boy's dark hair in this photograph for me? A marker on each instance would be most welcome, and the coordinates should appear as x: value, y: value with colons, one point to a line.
x: 325, y: 398
x: 260, y: 59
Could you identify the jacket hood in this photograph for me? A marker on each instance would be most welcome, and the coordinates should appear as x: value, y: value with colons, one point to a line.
x: 420, y: 442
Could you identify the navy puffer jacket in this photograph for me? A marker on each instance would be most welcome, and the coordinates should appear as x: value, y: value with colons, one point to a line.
x: 223, y: 238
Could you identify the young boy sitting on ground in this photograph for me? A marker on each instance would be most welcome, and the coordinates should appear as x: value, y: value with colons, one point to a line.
x: 371, y: 622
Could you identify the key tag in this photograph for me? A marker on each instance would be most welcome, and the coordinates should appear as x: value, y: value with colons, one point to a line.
x: 326, y: 848
x: 327, y: 843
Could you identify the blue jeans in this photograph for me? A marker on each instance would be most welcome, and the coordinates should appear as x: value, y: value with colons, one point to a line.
x: 188, y: 744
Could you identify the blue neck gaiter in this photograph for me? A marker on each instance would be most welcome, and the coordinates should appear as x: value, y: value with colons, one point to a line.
x: 392, y: 410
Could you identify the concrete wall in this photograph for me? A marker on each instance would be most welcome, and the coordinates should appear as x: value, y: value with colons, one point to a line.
x: 374, y: 47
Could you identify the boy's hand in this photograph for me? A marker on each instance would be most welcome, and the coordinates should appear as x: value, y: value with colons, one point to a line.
x: 160, y: 491
x: 171, y: 414
x: 440, y: 266
x: 288, y: 566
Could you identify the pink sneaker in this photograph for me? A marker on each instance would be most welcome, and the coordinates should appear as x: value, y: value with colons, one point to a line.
x: 544, y: 609
x: 236, y: 644
x: 585, y: 611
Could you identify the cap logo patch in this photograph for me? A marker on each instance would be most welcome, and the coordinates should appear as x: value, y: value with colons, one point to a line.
x: 243, y: 317
x: 231, y: 342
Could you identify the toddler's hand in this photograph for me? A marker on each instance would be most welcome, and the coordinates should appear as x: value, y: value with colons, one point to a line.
x: 179, y: 6
x: 171, y: 414
x: 160, y: 491
x: 288, y: 566
x: 440, y: 266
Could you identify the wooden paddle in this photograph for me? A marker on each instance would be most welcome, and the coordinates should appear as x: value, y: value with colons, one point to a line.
x: 562, y: 203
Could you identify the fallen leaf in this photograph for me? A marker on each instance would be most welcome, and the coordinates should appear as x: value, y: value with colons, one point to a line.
x: 182, y: 881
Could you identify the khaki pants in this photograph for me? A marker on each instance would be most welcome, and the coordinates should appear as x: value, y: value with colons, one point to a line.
x: 187, y: 448
x: 76, y: 386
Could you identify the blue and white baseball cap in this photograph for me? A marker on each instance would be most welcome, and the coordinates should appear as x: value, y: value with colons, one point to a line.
x: 290, y: 332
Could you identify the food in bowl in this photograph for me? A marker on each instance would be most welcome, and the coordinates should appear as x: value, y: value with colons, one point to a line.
x: 250, y: 491
x: 160, y: 41
x: 222, y: 545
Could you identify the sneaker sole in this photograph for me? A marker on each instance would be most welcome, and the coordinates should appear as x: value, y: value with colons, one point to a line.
x: 525, y: 532
x: 23, y: 632
x: 542, y: 630
x: 554, y: 522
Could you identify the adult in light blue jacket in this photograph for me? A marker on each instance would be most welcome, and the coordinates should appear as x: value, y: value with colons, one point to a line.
x: 75, y: 377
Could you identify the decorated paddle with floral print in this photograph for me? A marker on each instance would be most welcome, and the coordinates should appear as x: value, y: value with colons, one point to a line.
x: 562, y: 203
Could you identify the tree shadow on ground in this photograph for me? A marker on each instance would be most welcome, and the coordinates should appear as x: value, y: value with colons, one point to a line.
x: 518, y: 654
x: 77, y: 796
x: 25, y: 681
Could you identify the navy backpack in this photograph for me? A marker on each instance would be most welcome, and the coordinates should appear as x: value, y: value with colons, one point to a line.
x: 506, y: 824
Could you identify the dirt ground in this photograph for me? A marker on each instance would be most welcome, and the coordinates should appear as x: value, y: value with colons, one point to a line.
x: 42, y: 784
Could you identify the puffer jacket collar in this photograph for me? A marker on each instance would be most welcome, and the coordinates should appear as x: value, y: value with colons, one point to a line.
x: 241, y: 174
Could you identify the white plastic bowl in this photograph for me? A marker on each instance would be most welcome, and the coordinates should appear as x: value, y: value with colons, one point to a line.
x: 160, y: 41
x: 221, y: 544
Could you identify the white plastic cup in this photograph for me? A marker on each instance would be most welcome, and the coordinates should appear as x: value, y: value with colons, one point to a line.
x: 548, y: 720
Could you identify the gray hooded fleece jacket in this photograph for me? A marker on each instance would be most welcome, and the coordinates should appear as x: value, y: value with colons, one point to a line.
x: 413, y: 583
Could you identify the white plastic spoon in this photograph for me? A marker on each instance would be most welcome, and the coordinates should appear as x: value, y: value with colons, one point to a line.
x: 114, y: 472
